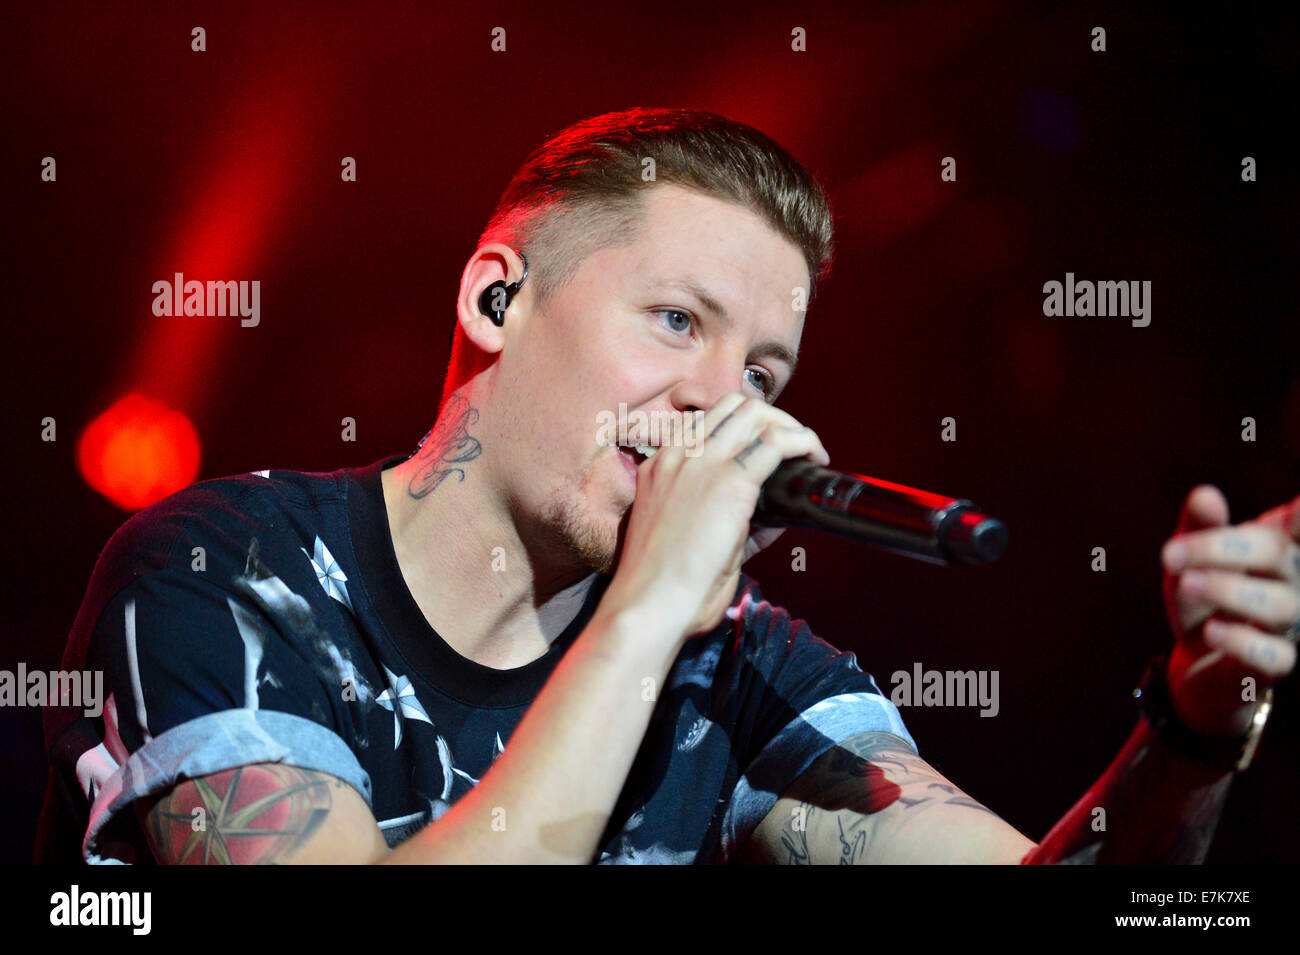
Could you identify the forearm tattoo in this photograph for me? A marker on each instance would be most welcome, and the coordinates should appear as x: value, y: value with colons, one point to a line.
x: 448, y: 445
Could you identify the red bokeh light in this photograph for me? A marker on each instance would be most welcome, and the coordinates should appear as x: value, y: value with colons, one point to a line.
x: 138, y: 452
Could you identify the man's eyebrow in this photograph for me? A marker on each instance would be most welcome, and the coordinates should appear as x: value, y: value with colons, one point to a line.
x: 705, y: 297
x: 771, y: 349
x: 779, y: 352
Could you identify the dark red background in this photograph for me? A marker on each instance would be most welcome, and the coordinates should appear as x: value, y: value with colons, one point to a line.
x: 1077, y: 432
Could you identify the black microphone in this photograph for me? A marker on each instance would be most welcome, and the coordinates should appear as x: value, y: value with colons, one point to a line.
x: 901, y: 519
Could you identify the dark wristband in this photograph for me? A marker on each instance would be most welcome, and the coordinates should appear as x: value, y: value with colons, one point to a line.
x: 1155, y: 703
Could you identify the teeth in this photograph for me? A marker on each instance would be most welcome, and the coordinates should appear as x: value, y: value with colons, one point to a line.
x: 645, y: 450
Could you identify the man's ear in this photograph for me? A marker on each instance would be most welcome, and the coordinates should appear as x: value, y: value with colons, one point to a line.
x: 490, y: 263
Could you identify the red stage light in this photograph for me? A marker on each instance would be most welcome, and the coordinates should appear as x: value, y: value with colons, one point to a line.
x: 138, y: 452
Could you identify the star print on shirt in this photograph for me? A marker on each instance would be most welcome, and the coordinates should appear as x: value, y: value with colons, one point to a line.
x: 401, y: 699
x: 328, y: 573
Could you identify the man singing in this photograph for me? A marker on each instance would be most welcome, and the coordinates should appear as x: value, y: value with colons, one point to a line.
x: 530, y: 640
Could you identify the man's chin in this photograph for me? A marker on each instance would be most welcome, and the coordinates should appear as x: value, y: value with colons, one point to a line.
x: 604, y: 557
x: 596, y: 546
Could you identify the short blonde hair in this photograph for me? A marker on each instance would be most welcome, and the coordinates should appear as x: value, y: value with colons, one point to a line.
x: 581, y: 191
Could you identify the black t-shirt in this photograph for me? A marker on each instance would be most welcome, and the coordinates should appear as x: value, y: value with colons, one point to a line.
x: 264, y: 618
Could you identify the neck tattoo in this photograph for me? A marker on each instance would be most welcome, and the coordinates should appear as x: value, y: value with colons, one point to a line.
x: 449, y: 444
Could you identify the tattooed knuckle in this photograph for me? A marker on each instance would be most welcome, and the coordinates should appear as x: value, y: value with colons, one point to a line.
x: 1236, y: 545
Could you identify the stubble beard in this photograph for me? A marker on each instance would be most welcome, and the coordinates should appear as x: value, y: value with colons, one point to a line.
x: 585, y: 538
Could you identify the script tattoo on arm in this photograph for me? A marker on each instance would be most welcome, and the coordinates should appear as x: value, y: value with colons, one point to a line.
x: 855, y: 799
x: 257, y: 814
x: 795, y: 841
x: 851, y: 850
x: 449, y: 444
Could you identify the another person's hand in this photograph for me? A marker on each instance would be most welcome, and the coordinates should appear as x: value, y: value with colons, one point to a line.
x: 1232, y: 593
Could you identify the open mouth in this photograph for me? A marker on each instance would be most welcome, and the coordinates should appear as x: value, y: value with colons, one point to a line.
x: 639, y: 453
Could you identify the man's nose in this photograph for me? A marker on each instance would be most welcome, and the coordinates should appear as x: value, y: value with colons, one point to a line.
x: 710, y: 378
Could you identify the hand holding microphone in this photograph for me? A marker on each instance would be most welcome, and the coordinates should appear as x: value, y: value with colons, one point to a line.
x: 690, y: 524
x: 698, y: 517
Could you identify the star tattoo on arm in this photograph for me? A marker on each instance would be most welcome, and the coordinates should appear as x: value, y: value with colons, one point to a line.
x: 249, y: 815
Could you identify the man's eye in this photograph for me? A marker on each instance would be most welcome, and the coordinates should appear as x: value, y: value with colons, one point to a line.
x: 764, y: 382
x: 685, y: 325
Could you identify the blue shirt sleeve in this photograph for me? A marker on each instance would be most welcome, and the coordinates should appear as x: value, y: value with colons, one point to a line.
x: 212, y: 660
x: 800, y: 696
